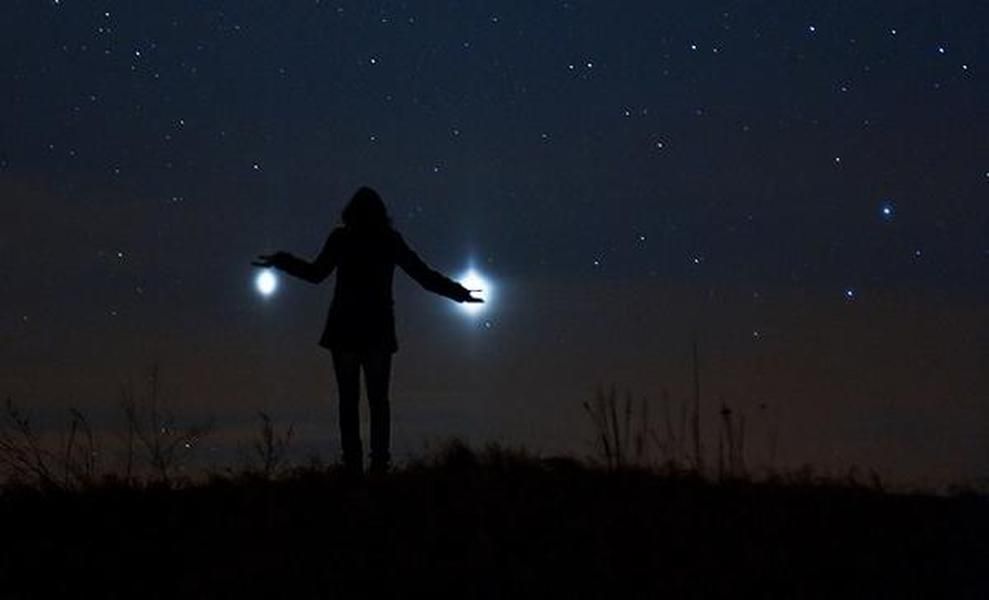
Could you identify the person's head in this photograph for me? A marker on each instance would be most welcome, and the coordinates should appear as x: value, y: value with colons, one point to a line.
x: 366, y: 210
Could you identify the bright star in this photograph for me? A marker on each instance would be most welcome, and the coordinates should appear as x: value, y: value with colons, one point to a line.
x: 887, y: 211
x: 481, y: 288
x: 266, y: 282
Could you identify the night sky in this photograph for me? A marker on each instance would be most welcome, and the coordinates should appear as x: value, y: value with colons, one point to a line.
x: 801, y: 185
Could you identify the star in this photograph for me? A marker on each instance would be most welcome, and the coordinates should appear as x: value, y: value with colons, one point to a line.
x: 887, y: 211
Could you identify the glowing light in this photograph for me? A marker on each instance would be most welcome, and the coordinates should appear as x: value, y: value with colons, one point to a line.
x: 472, y: 280
x: 266, y: 282
x: 887, y: 211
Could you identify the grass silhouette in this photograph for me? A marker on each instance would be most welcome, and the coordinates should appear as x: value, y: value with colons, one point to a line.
x: 493, y: 523
x: 642, y: 518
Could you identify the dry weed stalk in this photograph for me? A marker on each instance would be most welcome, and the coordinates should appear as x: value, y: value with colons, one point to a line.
x: 153, y: 427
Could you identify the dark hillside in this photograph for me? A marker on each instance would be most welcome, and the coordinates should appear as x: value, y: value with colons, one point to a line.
x: 492, y: 526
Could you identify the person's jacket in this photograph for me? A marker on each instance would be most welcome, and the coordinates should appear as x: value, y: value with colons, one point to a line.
x: 361, y: 316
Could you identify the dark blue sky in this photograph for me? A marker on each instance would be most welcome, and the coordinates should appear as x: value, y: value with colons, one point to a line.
x: 786, y: 178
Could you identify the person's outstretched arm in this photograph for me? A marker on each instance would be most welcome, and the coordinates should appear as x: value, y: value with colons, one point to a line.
x: 313, y: 272
x: 431, y: 280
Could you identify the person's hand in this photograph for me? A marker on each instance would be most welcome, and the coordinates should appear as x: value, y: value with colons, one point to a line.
x: 472, y: 299
x: 271, y: 260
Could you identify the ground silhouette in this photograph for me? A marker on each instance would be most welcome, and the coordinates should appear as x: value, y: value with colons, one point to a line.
x: 493, y: 525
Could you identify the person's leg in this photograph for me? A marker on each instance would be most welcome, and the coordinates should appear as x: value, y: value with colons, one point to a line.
x: 347, y: 365
x: 377, y: 373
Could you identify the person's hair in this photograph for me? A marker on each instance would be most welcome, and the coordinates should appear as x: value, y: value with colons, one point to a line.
x: 366, y: 210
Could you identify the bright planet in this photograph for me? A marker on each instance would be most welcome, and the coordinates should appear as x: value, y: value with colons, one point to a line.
x: 481, y: 288
x: 266, y: 283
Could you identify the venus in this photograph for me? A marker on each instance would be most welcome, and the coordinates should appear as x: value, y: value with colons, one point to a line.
x: 481, y: 287
x: 266, y: 283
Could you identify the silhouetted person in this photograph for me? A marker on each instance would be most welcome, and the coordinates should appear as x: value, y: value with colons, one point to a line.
x: 360, y: 327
